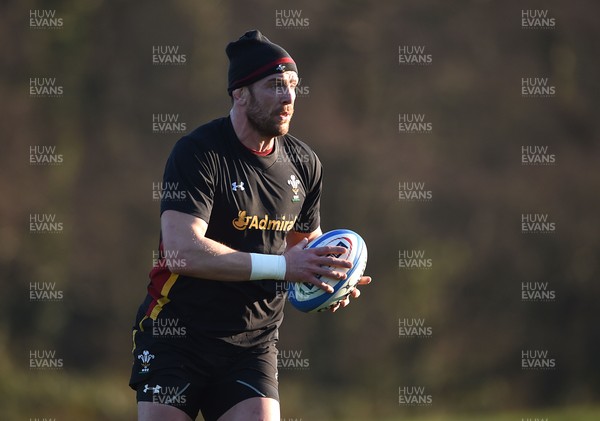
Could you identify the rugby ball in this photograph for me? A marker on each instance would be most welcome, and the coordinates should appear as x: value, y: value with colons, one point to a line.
x: 308, y: 297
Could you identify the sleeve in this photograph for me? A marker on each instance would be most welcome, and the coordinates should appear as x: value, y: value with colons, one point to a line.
x: 188, y: 180
x: 310, y: 215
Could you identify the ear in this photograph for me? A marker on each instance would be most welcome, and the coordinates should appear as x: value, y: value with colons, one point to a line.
x: 240, y: 95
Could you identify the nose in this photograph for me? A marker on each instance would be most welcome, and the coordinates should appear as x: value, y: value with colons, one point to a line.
x: 288, y: 94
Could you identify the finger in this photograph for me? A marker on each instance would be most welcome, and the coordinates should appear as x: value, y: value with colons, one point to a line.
x: 340, y: 304
x: 302, y: 243
x: 320, y: 284
x: 333, y: 261
x: 355, y: 293
x: 334, y: 307
x: 329, y: 273
x: 364, y: 280
x: 322, y: 251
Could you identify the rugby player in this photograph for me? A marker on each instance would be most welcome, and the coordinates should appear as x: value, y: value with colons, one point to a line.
x: 245, y: 198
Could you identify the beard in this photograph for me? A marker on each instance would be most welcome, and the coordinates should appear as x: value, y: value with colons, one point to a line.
x: 266, y: 124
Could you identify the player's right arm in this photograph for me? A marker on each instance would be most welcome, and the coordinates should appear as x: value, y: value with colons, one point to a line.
x: 209, y: 259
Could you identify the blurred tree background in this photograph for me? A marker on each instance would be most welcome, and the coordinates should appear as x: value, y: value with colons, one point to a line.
x: 354, y: 89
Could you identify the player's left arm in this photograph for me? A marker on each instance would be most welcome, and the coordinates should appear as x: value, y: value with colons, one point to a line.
x: 294, y: 237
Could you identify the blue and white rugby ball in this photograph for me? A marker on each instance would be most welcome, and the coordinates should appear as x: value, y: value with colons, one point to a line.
x: 310, y: 298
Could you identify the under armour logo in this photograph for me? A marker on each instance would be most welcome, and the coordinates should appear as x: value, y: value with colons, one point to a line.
x: 155, y: 390
x: 280, y: 68
x: 235, y: 186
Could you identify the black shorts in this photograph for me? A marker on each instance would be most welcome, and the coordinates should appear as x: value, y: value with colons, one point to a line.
x: 199, y: 378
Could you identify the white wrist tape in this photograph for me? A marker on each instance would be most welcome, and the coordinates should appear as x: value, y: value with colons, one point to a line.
x: 267, y: 266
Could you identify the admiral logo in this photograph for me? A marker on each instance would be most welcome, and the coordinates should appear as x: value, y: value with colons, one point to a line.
x: 414, y: 124
x: 537, y: 291
x: 537, y: 19
x: 534, y: 419
x: 537, y: 360
x: 168, y: 123
x: 44, y: 87
x: 168, y: 259
x: 168, y: 191
x: 245, y: 221
x: 146, y: 358
x: 292, y: 360
x: 537, y: 155
x: 414, y: 396
x: 413, y: 55
x: 414, y: 259
x: 537, y: 223
x: 44, y: 19
x: 291, y: 19
x: 168, y: 328
x: 413, y: 328
x: 167, y: 55
x: 537, y: 87
x: 44, y: 155
x: 44, y: 291
x: 413, y: 192
x: 42, y: 359
x: 44, y: 223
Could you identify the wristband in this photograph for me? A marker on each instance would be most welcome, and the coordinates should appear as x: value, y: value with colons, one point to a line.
x: 267, y: 266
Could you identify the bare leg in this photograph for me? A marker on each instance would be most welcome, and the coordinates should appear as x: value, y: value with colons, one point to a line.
x: 253, y: 409
x: 150, y: 411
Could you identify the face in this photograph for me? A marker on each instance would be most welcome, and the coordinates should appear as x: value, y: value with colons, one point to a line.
x: 271, y: 103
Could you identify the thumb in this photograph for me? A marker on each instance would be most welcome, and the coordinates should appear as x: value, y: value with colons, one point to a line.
x: 302, y: 243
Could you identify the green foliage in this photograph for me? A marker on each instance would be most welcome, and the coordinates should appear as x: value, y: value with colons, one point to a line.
x: 348, y: 58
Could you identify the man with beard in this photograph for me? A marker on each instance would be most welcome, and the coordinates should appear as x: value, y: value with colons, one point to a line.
x: 241, y: 200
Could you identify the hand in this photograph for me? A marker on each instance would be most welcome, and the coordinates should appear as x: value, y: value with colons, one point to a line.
x: 303, y: 265
x: 355, y: 293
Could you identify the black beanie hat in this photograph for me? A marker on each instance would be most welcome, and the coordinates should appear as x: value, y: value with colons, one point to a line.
x: 253, y: 57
